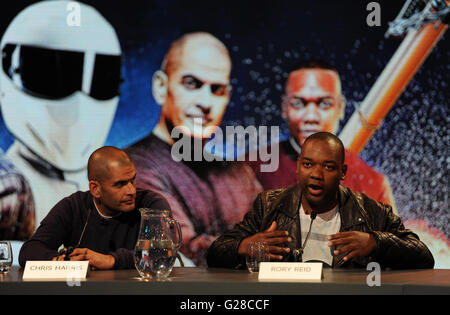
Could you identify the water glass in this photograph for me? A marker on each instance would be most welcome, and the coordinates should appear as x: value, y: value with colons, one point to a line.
x: 256, y: 252
x: 6, y: 256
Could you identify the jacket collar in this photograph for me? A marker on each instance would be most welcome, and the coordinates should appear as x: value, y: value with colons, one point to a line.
x: 291, y: 197
x: 349, y: 206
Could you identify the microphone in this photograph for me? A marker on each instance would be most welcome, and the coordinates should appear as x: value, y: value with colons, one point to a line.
x: 298, y: 252
x: 66, y: 251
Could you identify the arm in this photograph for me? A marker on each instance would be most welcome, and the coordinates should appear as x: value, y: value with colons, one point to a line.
x: 390, y: 244
x: 224, y: 251
x: 53, y: 231
x: 397, y: 247
x: 229, y: 250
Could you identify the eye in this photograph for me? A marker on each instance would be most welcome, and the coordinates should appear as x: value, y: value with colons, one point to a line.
x: 191, y: 83
x: 219, y: 89
x: 326, y: 103
x: 330, y: 167
x: 120, y: 184
x: 296, y: 102
x: 307, y: 164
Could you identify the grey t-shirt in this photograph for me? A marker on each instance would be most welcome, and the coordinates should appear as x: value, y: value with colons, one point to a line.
x: 324, y: 224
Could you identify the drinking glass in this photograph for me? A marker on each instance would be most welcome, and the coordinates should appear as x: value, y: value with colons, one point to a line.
x: 6, y: 256
x: 256, y: 252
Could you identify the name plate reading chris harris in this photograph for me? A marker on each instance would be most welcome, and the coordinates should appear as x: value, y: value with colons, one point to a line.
x: 55, y: 270
x: 290, y: 271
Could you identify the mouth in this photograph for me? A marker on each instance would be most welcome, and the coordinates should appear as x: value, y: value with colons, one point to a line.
x: 308, y: 132
x: 315, y: 190
x: 199, y: 119
x: 129, y: 202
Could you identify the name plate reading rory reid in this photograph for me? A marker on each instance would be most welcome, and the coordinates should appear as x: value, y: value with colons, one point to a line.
x: 290, y: 271
x: 55, y: 270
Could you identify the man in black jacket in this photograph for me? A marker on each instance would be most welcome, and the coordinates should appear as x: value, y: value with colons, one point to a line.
x: 346, y: 229
x: 101, y: 224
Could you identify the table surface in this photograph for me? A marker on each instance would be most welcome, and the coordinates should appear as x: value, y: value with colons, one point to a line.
x: 212, y: 281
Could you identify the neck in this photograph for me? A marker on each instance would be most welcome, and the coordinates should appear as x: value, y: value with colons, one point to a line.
x: 162, y: 132
x: 104, y: 210
x: 318, y: 208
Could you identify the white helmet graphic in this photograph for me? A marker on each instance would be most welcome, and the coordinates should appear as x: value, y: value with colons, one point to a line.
x: 59, y: 82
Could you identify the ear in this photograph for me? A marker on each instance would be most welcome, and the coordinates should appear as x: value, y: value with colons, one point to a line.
x: 344, y: 171
x: 94, y: 188
x: 160, y: 86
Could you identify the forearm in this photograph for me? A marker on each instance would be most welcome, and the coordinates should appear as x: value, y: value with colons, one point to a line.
x: 404, y: 251
x: 123, y: 258
x: 35, y: 250
x: 223, y: 253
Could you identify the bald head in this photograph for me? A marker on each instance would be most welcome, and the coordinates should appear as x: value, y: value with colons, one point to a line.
x: 190, y: 42
x: 193, y: 86
x: 101, y: 161
x: 329, y: 138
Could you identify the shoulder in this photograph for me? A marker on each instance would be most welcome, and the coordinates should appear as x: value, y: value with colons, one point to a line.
x: 71, y: 207
x: 373, y: 210
x: 77, y: 199
x: 150, y: 153
x: 359, y: 166
x: 273, y: 194
x: 146, y: 146
x: 150, y: 199
x: 276, y: 197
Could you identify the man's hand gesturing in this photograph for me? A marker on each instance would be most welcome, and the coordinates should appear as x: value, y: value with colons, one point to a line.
x: 272, y: 237
x: 353, y: 243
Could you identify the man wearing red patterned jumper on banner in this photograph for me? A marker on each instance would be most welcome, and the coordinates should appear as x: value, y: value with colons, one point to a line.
x: 313, y: 102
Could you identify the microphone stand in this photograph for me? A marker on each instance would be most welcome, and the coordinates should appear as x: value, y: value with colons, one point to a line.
x: 298, y: 252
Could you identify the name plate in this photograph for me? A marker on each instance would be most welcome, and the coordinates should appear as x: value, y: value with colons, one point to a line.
x: 56, y: 270
x: 290, y: 271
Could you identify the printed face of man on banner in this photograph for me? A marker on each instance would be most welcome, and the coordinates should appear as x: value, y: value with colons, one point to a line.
x: 193, y: 87
x: 313, y: 102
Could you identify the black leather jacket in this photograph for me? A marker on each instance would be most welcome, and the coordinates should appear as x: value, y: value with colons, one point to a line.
x: 397, y: 247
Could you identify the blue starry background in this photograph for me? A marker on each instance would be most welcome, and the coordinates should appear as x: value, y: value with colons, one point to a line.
x: 265, y: 38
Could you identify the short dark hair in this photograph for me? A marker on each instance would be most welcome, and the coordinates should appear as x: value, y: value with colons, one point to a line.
x: 327, y: 136
x: 310, y: 64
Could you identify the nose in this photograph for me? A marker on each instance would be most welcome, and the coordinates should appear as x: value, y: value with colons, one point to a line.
x: 311, y: 113
x: 205, y: 98
x: 316, y: 173
x: 131, y: 188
